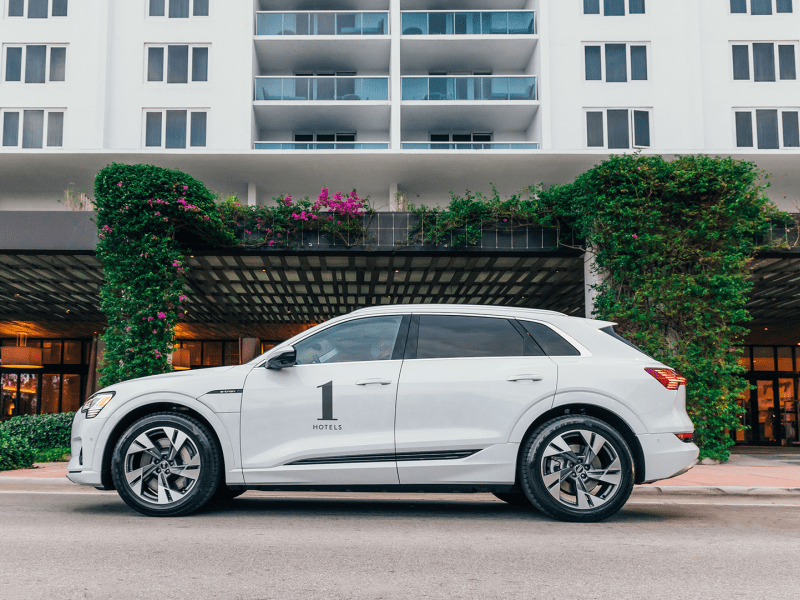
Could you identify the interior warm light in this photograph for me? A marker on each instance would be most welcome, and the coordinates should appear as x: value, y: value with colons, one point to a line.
x: 21, y: 357
x: 181, y: 359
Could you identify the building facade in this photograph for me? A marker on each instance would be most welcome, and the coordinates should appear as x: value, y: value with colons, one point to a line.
x: 404, y: 100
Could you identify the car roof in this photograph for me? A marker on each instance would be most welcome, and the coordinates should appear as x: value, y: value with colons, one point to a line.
x: 471, y: 309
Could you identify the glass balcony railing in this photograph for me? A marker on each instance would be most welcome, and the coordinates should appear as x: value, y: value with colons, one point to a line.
x: 322, y: 145
x: 469, y: 88
x: 470, y: 146
x: 322, y: 88
x: 469, y: 23
x: 322, y: 23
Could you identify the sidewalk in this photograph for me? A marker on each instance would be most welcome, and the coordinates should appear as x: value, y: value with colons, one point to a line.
x: 750, y: 471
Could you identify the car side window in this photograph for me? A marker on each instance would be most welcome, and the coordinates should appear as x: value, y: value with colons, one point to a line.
x: 552, y: 343
x: 444, y: 336
x: 361, y: 340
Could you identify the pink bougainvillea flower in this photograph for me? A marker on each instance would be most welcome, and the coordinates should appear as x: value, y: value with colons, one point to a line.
x: 634, y: 236
x: 149, y: 318
x: 182, y: 298
x: 119, y: 184
x: 161, y: 315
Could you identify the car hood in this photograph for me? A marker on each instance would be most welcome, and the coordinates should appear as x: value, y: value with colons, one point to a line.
x: 190, y: 383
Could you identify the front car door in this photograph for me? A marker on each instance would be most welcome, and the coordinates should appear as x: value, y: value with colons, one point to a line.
x: 328, y: 420
x: 466, y: 382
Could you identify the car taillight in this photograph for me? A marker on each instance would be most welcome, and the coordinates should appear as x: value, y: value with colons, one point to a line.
x: 685, y: 437
x: 667, y: 377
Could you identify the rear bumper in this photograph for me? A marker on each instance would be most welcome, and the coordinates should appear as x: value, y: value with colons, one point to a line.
x: 666, y: 456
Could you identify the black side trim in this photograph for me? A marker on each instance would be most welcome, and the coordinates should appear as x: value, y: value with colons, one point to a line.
x: 402, y: 337
x: 389, y: 457
x: 231, y: 391
x: 413, y: 338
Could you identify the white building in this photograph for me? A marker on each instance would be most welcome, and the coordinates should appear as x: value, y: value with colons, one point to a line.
x: 416, y: 96
x: 402, y: 99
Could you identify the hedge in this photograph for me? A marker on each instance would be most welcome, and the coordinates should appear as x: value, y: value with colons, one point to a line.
x: 41, y: 431
x: 15, y: 452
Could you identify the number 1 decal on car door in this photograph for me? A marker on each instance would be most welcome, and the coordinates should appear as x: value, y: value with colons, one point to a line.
x: 327, y: 402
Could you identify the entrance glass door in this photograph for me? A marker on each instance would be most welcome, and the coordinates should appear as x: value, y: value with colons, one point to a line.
x: 19, y: 394
x: 787, y: 403
x: 768, y: 420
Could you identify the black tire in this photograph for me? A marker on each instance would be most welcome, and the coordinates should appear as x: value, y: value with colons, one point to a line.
x: 198, y: 453
x: 513, y: 498
x: 600, y: 488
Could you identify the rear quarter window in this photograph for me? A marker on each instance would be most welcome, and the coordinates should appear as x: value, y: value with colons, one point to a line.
x: 550, y: 341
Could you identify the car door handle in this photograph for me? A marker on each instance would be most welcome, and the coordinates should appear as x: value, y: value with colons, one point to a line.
x: 525, y: 378
x: 373, y: 382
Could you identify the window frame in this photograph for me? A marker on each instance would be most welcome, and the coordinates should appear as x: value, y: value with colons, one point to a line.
x: 24, y: 14
x: 776, y: 44
x: 47, y: 61
x: 628, y: 61
x: 631, y: 127
x: 628, y: 12
x: 749, y: 10
x: 754, y: 127
x: 165, y: 64
x: 45, y: 126
x: 166, y: 12
x: 163, y: 139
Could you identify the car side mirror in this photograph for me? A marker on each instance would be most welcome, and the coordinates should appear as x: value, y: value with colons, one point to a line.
x: 287, y: 358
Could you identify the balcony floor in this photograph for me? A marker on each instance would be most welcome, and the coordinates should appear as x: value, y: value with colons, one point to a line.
x: 322, y: 116
x: 287, y: 55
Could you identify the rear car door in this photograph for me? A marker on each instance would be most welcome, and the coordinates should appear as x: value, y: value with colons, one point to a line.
x: 330, y: 418
x: 465, y: 383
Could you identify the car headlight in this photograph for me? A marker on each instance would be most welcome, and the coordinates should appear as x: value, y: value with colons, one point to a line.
x: 95, y: 404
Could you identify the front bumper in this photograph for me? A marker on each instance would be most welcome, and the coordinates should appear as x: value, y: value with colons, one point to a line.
x: 666, y: 456
x: 92, y: 478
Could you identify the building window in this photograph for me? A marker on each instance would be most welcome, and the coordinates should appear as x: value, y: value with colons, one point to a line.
x: 610, y: 62
x: 35, y: 63
x: 177, y: 9
x: 774, y: 128
x: 613, y: 8
x: 761, y: 7
x: 612, y: 128
x: 37, y: 9
x: 32, y: 128
x: 304, y: 140
x: 177, y: 63
x: 766, y: 64
x: 175, y: 128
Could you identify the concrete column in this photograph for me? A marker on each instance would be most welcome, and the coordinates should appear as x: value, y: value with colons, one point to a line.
x: 590, y: 277
x: 252, y: 194
x: 395, y: 81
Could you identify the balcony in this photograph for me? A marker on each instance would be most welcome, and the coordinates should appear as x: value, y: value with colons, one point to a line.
x: 469, y: 23
x: 469, y: 88
x: 470, y: 146
x: 314, y: 89
x: 322, y: 23
x: 321, y: 145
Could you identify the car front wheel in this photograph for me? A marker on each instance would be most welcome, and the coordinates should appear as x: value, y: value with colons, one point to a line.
x: 166, y: 465
x: 576, y: 468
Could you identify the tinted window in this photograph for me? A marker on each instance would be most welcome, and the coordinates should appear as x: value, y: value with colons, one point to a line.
x: 552, y: 343
x: 467, y: 337
x: 355, y: 341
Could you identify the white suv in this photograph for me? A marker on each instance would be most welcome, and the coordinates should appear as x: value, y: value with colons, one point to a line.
x: 533, y: 406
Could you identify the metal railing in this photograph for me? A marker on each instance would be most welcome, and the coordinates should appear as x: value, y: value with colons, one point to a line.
x: 322, y: 23
x: 322, y: 88
x: 466, y: 87
x: 469, y: 23
x: 321, y: 145
x: 470, y: 145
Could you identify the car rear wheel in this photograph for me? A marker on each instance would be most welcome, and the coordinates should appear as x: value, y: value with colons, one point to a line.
x: 576, y: 468
x: 166, y: 465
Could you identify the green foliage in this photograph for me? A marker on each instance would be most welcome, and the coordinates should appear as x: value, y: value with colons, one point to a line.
x: 673, y: 241
x: 15, y: 452
x: 340, y: 217
x: 52, y: 455
x: 41, y: 431
x: 146, y: 218
x: 463, y: 221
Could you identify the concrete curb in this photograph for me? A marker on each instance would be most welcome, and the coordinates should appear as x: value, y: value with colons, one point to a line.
x: 37, y: 481
x: 707, y: 490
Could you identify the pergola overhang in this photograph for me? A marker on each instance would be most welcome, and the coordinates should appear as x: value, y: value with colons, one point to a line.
x: 50, y: 286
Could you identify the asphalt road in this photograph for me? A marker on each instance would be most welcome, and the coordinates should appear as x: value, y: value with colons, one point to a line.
x: 75, y: 543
